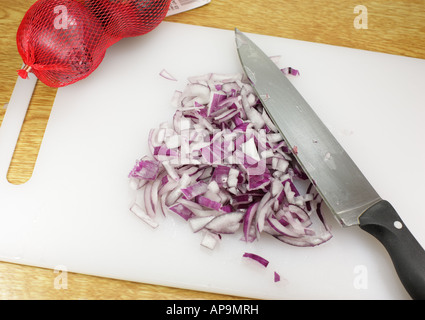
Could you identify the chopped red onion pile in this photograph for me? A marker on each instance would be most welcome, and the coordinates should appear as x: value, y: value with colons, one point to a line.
x: 222, y: 166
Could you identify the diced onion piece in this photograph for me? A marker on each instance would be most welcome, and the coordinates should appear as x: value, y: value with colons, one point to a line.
x: 197, y: 189
x: 210, y: 240
x: 226, y: 223
x: 276, y: 277
x: 137, y: 210
x: 165, y: 74
x: 182, y: 211
x: 291, y: 71
x: 198, y: 223
x: 257, y: 258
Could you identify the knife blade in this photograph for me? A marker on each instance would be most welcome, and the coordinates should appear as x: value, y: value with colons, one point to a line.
x: 343, y: 187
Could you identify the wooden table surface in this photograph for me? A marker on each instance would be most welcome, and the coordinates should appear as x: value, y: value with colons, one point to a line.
x: 393, y: 26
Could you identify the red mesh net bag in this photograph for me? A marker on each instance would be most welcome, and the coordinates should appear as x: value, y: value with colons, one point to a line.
x: 64, y: 41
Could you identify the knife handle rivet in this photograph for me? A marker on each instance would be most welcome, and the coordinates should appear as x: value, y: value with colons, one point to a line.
x: 398, y: 225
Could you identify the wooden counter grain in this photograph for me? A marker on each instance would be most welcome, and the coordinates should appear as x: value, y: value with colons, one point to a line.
x: 393, y: 26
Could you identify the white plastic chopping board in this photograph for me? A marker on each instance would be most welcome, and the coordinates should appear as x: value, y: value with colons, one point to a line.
x: 74, y: 211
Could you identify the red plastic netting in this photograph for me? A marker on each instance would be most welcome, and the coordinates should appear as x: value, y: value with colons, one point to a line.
x: 63, y: 41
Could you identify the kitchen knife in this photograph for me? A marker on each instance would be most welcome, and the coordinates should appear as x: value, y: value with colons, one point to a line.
x: 343, y: 187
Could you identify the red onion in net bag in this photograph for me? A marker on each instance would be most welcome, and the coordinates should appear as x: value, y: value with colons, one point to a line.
x: 64, y: 41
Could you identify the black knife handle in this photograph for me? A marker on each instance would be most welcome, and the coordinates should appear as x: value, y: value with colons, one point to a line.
x: 382, y: 221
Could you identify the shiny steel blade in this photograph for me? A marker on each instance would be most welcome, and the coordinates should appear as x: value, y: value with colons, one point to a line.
x: 339, y: 181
